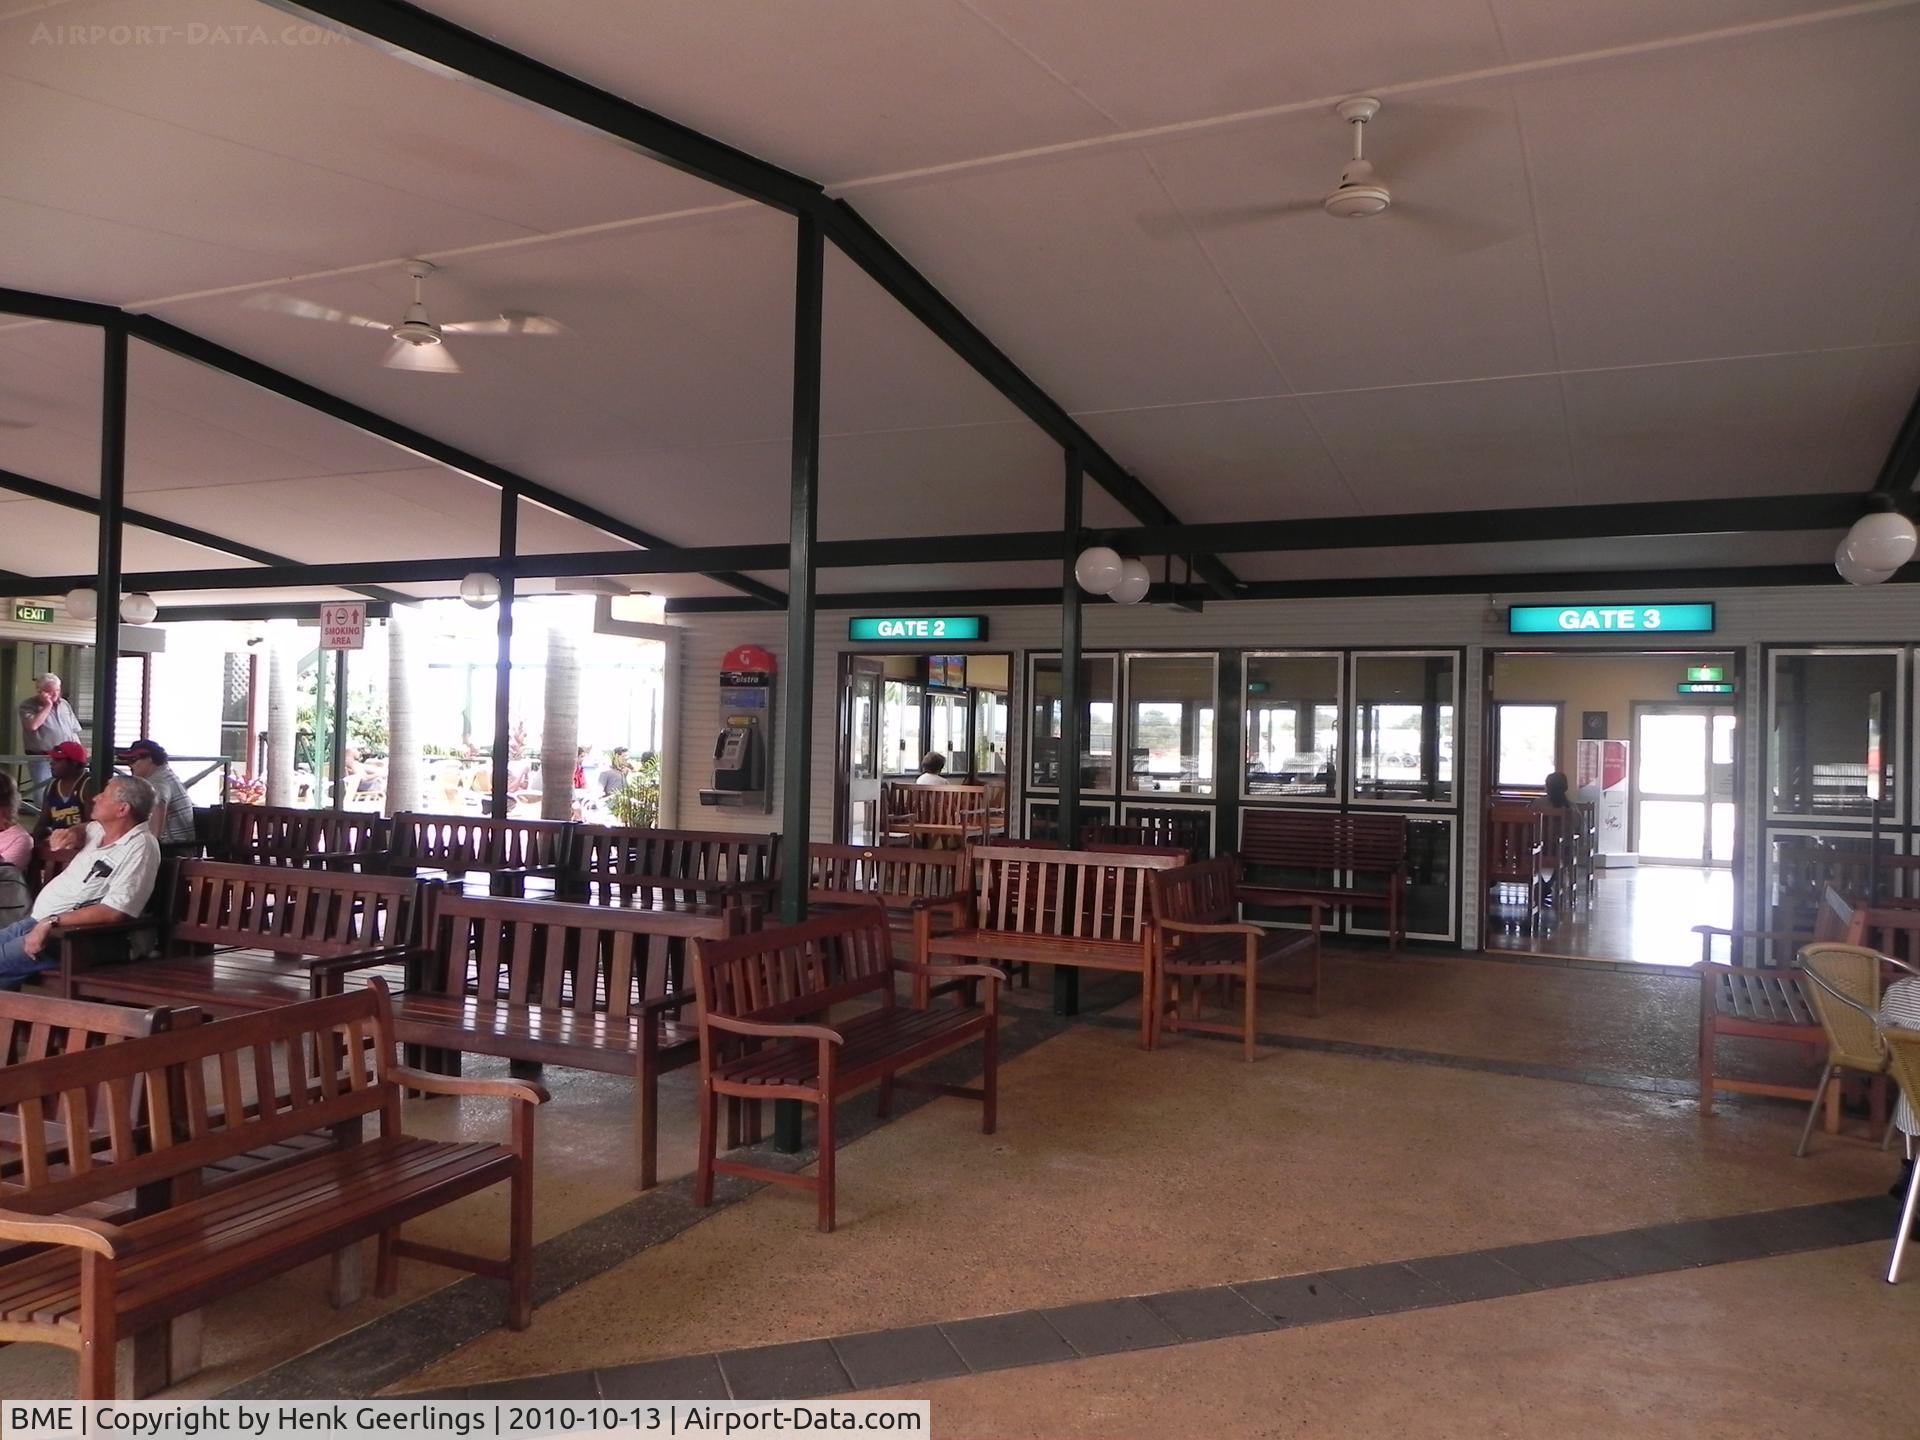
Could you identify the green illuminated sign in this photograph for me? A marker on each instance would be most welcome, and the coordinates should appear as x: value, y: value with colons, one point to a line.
x: 1610, y: 619
x: 917, y: 627
x: 1705, y: 672
x: 34, y: 614
x: 1705, y: 687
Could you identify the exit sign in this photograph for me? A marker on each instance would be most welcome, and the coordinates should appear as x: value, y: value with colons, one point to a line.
x: 917, y: 627
x: 1705, y: 687
x: 1610, y: 619
x: 33, y: 614
x: 1705, y: 672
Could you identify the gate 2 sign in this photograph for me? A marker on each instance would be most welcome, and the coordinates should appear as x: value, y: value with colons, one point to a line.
x: 917, y: 627
x: 1610, y: 619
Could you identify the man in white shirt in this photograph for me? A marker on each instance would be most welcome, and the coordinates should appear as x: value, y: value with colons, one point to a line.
x: 109, y: 881
x: 46, y: 719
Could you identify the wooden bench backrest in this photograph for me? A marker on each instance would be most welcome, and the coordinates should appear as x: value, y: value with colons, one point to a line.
x: 968, y: 807
x: 542, y: 952
x: 284, y: 835
x: 1074, y: 894
x: 214, y: 1092
x: 1199, y: 894
x: 893, y: 874
x: 290, y: 910
x: 1513, y: 843
x: 1894, y: 933
x: 37, y: 1027
x: 1165, y: 829
x: 621, y: 859
x: 788, y: 971
x: 477, y: 842
x: 1305, y: 840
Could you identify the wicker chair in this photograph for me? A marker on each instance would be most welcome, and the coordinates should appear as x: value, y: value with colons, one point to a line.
x: 1851, y: 973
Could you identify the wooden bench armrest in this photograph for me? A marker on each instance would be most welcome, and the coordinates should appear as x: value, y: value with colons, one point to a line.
x: 1293, y: 900
x: 950, y: 972
x: 677, y: 1000
x: 765, y: 1031
x: 70, y: 1230
x: 361, y: 959
x: 525, y: 1092
x: 1219, y: 927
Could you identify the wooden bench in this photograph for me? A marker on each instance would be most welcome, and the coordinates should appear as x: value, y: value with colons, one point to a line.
x: 1322, y: 847
x: 1025, y: 904
x: 767, y: 1032
x: 218, y: 1091
x: 950, y: 814
x: 509, y: 852
x: 1516, y: 857
x: 1163, y: 829
x: 612, y: 865
x: 584, y: 986
x: 898, y: 877
x: 1198, y: 936
x: 236, y: 938
x: 284, y: 835
x: 1766, y: 1000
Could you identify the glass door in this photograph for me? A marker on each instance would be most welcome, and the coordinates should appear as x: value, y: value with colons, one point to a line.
x: 1684, y: 800
x: 863, y: 755
x: 901, y: 706
x: 947, y: 731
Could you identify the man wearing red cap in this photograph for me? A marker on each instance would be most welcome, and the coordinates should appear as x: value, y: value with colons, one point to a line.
x: 63, y: 804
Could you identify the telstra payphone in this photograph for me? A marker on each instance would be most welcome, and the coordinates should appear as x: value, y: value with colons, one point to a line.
x: 746, y: 731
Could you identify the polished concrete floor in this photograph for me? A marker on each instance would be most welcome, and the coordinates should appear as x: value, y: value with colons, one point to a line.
x: 1644, y: 916
x: 1439, y: 1105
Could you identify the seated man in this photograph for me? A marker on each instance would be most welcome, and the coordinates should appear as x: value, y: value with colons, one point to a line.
x: 108, y: 881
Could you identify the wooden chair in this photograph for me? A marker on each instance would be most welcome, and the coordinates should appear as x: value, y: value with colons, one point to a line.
x: 1198, y: 937
x: 767, y: 1032
x: 1515, y: 851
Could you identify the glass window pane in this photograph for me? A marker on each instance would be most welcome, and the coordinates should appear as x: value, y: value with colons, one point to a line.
x: 1043, y: 719
x: 989, y: 732
x: 1830, y: 744
x: 1293, y: 725
x: 1529, y: 745
x: 1672, y: 829
x: 900, y: 705
x: 1170, y: 701
x: 947, y: 730
x: 1673, y: 755
x: 1403, y: 728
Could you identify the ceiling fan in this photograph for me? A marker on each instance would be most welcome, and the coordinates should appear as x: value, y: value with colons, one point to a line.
x: 1361, y: 193
x: 419, y: 343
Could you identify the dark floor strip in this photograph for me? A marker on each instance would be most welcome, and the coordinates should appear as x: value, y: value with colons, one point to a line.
x: 919, y: 1354
x: 402, y: 1342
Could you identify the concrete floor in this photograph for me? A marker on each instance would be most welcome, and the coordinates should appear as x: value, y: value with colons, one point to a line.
x: 1118, y: 1172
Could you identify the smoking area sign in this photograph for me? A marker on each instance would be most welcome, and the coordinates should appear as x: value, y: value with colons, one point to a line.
x: 343, y: 625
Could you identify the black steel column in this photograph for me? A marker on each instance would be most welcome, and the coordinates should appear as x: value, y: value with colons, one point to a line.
x: 113, y: 488
x: 802, y: 529
x: 1066, y: 978
x: 339, y: 759
x: 1230, y: 752
x: 796, y: 696
x: 503, y: 662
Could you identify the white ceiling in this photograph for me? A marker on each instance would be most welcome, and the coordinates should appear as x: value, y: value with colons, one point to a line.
x: 1652, y: 249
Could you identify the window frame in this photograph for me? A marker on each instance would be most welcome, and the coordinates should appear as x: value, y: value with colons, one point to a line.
x: 1903, y: 784
x: 1339, y: 659
x: 1559, y: 708
x: 1350, y: 739
x: 1123, y: 740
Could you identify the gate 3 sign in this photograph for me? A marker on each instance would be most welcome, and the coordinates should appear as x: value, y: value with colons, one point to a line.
x: 1610, y: 619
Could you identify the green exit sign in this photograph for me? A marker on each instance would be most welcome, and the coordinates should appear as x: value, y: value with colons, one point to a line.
x: 1705, y: 672
x: 1705, y: 687
x: 1610, y: 618
x: 33, y: 614
x: 917, y: 627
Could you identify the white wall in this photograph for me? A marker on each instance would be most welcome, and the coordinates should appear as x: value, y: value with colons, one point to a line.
x: 1824, y: 615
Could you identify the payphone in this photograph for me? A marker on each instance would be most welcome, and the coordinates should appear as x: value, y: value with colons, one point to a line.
x: 746, y: 731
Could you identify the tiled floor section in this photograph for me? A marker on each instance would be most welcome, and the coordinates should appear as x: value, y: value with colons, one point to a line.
x: 1644, y: 915
x: 922, y: 1353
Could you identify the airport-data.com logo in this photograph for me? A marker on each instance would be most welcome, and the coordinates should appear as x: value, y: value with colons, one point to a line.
x: 194, y: 33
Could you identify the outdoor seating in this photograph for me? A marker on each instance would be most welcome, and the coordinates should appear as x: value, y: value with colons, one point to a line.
x: 1199, y: 938
x: 89, y: 1281
x: 543, y: 982
x: 1312, y: 850
x: 235, y: 938
x: 1854, y: 974
x: 1024, y: 904
x: 767, y: 1032
x: 508, y: 852
x: 1764, y: 1000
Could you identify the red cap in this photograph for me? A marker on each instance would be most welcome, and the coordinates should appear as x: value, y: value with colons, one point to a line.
x: 69, y: 750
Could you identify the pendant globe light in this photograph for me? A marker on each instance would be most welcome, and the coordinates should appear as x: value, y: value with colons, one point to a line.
x: 1852, y: 571
x: 1098, y: 569
x: 479, y: 589
x: 138, y: 609
x: 83, y: 603
x: 1883, y: 540
x: 1134, y: 582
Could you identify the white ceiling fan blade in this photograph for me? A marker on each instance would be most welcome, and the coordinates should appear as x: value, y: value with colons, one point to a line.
x: 1456, y: 230
x: 308, y: 310
x: 509, y: 322
x: 1220, y: 217
x: 433, y: 359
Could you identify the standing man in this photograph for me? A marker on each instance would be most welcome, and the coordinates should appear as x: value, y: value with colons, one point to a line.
x: 48, y: 720
x: 109, y: 880
x: 172, y: 818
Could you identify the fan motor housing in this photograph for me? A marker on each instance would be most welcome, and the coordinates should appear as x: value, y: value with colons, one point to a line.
x: 1356, y: 202
x: 417, y: 332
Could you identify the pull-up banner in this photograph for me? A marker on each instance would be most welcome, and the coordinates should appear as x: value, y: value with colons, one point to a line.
x: 1610, y: 619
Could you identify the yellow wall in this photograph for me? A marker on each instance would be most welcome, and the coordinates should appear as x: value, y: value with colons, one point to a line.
x: 1612, y: 683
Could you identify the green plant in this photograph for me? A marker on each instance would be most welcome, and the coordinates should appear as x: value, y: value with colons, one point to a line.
x: 637, y: 802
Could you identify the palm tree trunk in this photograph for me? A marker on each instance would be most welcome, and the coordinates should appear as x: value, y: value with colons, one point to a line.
x: 403, y: 746
x: 281, y: 712
x: 560, y: 732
